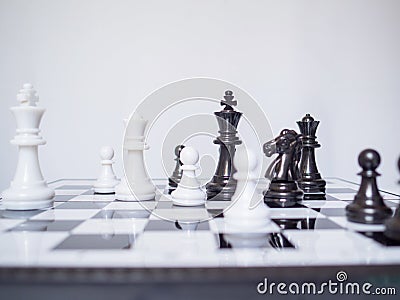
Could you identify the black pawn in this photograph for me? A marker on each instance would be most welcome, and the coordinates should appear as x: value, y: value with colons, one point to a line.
x: 393, y: 224
x: 177, y: 173
x: 310, y: 180
x: 368, y: 206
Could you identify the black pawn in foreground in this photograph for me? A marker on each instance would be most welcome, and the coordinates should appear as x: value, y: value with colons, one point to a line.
x: 393, y: 224
x: 310, y: 180
x: 223, y: 185
x: 368, y: 206
x: 283, y: 171
x: 177, y: 173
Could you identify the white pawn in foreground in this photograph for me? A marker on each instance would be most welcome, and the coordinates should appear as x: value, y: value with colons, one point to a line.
x: 188, y: 191
x: 28, y: 190
x: 248, y: 211
x: 107, y: 180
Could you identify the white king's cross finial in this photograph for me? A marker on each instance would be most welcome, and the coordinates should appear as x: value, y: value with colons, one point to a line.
x: 27, y: 95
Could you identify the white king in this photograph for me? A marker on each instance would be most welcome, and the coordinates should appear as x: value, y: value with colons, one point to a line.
x: 28, y: 190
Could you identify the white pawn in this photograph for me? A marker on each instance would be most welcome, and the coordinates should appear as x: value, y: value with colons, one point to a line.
x: 248, y: 211
x: 188, y: 191
x: 107, y: 180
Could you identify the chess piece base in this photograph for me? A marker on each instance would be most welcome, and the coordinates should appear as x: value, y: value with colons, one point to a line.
x: 105, y: 187
x: 135, y: 198
x: 124, y: 197
x: 28, y: 198
x: 220, y: 192
x: 283, y: 194
x: 312, y: 185
x: 188, y: 202
x: 367, y: 214
x: 314, y: 196
x: 123, y: 193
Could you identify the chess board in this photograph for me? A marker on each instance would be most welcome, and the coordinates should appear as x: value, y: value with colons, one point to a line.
x: 96, y: 246
x: 88, y: 230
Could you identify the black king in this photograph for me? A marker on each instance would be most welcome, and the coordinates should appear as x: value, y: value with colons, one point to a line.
x: 223, y: 185
x: 310, y: 180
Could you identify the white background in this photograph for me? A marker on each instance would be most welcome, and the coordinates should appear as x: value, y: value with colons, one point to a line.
x: 94, y: 61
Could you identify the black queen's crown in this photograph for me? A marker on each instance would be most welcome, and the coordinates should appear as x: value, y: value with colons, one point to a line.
x: 308, y: 128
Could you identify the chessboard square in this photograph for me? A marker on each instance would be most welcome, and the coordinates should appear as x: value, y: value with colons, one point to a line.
x: 392, y: 203
x: 332, y: 212
x: 94, y: 198
x: 325, y: 223
x: 307, y: 224
x: 7, y: 224
x: 324, y: 204
x: 122, y: 214
x: 192, y: 243
x: 331, y: 198
x: 66, y: 214
x: 83, y: 205
x: 333, y: 190
x: 182, y: 214
x: 37, y: 225
x: 345, y: 196
x: 284, y: 213
x: 164, y: 204
x: 218, y: 225
x: 388, y: 196
x: 164, y: 197
x: 91, y: 192
x: 96, y: 242
x: 111, y: 226
x: 379, y: 237
x: 25, y: 247
x: 63, y: 198
x: 218, y: 204
x: 68, y: 192
x: 166, y: 225
x: 328, y: 241
x: 129, y: 205
x: 74, y: 187
x: 342, y: 221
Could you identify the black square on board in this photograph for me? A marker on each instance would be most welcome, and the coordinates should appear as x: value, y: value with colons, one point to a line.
x: 96, y: 242
x: 46, y: 225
